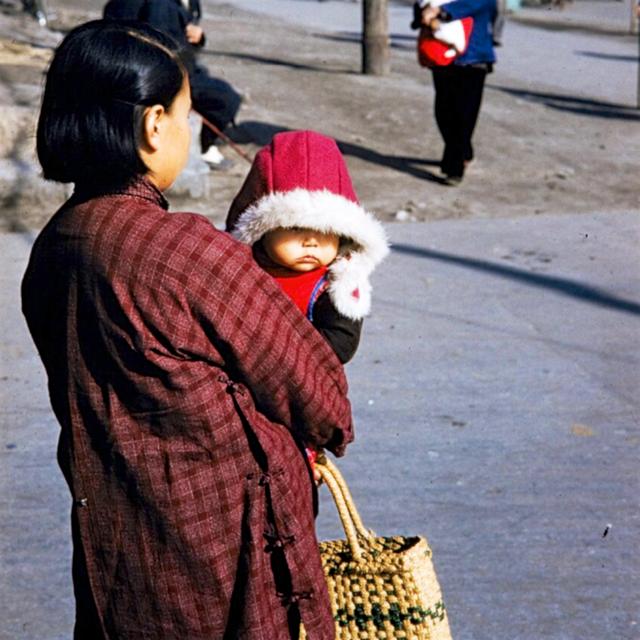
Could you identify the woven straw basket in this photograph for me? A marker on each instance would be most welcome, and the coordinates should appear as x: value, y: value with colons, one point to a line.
x: 380, y: 588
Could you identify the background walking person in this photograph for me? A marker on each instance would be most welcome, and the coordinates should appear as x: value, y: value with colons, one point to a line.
x: 459, y: 86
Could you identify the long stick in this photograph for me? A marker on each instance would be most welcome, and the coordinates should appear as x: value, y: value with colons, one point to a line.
x: 226, y: 138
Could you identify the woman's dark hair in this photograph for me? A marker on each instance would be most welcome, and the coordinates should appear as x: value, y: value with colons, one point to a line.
x: 102, y: 77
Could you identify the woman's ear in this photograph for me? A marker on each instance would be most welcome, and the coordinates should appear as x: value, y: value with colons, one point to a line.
x: 151, y: 126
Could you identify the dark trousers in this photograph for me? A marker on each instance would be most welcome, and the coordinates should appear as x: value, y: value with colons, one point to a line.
x: 458, y: 98
x: 214, y: 99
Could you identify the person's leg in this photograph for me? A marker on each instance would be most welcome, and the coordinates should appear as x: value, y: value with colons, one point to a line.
x: 466, y: 97
x: 470, y: 103
x: 36, y: 9
x: 450, y: 119
x: 215, y: 100
x: 444, y: 82
x: 208, y: 136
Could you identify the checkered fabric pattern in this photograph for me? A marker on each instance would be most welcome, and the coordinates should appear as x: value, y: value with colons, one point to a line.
x: 185, y: 383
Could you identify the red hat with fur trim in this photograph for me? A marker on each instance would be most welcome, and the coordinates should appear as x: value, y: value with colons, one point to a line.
x: 301, y: 180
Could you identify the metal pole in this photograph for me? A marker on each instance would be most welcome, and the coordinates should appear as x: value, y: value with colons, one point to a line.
x: 375, y: 38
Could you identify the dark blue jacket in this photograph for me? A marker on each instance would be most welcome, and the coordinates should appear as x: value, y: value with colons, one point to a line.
x: 123, y: 9
x: 483, y: 12
x: 168, y: 16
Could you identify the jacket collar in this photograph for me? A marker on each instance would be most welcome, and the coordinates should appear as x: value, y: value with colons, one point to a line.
x: 140, y: 187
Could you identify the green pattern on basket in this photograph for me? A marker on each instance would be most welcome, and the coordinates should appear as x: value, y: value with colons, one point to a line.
x: 395, y: 616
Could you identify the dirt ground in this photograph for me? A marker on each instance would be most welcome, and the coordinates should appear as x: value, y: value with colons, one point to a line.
x: 532, y: 157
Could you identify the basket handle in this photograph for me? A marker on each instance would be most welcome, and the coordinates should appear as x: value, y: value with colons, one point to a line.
x: 349, y: 516
x: 348, y: 499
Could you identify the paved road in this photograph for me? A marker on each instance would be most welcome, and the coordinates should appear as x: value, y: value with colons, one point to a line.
x: 496, y: 402
x: 588, y: 65
x: 496, y: 396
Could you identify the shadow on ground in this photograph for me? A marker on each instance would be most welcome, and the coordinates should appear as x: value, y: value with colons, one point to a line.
x: 563, y: 286
x: 262, y: 132
x: 573, y: 104
x: 276, y: 62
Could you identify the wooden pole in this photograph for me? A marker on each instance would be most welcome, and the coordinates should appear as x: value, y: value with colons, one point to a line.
x: 635, y: 14
x: 638, y: 85
x: 375, y: 38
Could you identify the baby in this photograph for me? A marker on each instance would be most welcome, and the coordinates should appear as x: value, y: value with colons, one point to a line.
x: 299, y: 212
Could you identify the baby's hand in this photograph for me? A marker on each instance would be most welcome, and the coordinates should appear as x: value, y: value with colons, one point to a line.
x: 312, y: 456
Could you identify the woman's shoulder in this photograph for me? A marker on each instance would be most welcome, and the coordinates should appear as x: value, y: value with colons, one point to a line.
x: 187, y: 241
x: 196, y: 230
x: 132, y: 216
x: 141, y: 209
x: 191, y: 246
x: 144, y: 233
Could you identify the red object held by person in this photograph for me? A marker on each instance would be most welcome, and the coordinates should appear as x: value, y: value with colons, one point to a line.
x: 437, y: 48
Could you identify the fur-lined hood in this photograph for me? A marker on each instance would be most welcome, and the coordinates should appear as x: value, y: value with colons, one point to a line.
x: 301, y: 180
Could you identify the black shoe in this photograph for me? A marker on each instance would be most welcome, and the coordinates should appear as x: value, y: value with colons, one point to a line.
x: 452, y: 181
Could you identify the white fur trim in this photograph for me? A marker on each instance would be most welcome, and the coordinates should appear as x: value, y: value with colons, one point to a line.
x: 349, y: 286
x: 323, y: 211
x: 326, y: 212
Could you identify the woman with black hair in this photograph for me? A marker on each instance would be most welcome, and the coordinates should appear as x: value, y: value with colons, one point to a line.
x: 183, y: 383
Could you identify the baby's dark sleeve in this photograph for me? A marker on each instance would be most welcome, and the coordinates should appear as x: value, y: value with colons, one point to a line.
x: 342, y: 333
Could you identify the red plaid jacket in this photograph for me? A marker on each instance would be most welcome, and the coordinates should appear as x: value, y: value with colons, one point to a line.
x: 185, y: 384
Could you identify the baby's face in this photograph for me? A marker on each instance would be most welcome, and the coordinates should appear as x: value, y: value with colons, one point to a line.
x: 301, y: 249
